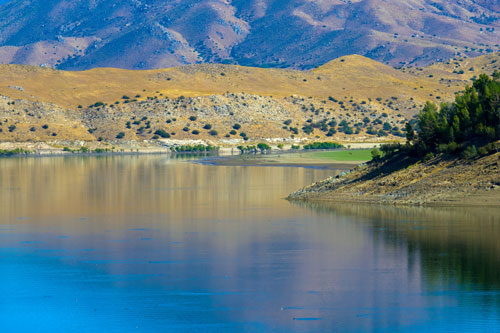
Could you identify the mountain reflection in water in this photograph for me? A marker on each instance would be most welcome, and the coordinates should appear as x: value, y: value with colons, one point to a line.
x: 150, y: 243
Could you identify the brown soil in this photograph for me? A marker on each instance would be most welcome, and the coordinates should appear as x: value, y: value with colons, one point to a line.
x: 439, y: 182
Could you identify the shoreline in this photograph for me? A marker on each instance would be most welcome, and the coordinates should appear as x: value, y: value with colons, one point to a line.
x: 439, y: 182
x: 82, y: 148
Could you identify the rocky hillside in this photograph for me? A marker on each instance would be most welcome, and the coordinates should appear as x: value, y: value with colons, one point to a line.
x: 301, y: 34
x: 349, y: 99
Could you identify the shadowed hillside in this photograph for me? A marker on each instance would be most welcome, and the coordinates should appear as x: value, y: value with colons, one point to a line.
x: 302, y: 34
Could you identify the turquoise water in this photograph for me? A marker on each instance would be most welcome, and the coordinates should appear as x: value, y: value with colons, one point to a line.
x: 151, y: 244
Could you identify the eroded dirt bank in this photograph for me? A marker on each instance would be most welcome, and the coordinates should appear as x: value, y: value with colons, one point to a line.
x: 440, y: 181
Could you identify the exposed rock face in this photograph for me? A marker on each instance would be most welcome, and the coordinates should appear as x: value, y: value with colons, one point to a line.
x: 134, y: 34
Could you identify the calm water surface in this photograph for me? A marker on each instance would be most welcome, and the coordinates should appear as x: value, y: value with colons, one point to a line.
x: 121, y: 244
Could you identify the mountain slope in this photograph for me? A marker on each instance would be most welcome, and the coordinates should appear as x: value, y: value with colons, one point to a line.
x: 134, y: 34
x: 350, y: 99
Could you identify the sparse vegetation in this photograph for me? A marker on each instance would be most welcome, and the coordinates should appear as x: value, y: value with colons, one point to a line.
x: 323, y: 145
x: 196, y: 148
x: 13, y: 152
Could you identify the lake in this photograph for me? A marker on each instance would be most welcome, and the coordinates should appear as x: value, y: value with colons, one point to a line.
x: 159, y: 244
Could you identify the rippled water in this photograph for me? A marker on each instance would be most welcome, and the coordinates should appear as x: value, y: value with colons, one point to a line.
x: 121, y: 244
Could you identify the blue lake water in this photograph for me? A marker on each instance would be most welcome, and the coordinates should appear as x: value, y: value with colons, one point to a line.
x: 153, y: 244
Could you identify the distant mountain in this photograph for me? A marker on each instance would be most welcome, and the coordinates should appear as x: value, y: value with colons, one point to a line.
x: 135, y: 34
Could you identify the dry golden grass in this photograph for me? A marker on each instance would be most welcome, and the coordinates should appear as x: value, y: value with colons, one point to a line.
x: 352, y: 76
x: 259, y: 98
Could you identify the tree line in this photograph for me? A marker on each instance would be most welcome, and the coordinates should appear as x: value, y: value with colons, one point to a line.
x: 471, y: 121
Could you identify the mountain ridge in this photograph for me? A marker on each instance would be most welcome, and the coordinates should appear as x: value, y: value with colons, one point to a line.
x: 300, y: 34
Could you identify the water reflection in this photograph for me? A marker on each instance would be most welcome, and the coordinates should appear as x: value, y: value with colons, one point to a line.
x: 154, y: 244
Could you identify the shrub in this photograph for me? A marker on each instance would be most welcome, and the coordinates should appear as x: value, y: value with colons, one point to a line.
x: 236, y: 126
x: 470, y: 152
x: 308, y: 129
x: 186, y: 129
x: 195, y: 132
x: 120, y: 135
x: 12, y: 128
x: 207, y: 126
x: 162, y: 133
x: 482, y: 151
x: 376, y: 154
x: 45, y: 126
x: 263, y: 147
x: 323, y: 145
x: 213, y: 132
x: 232, y: 132
x: 492, y: 147
x: 193, y: 118
x: 196, y: 148
x: 428, y: 156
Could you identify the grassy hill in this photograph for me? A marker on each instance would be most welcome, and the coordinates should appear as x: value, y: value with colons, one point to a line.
x: 355, y: 92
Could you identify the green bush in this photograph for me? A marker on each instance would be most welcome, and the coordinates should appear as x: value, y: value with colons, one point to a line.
x: 162, y: 133
x: 376, y: 154
x: 263, y: 147
x: 323, y: 145
x: 308, y: 129
x: 196, y: 148
x: 470, y: 152
x: 482, y: 151
x: 120, y: 135
x: 12, y: 152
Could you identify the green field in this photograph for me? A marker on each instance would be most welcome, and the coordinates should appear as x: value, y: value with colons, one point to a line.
x: 343, y: 155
